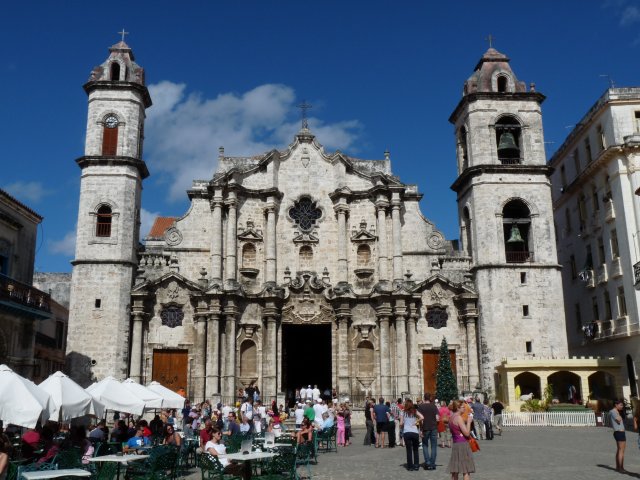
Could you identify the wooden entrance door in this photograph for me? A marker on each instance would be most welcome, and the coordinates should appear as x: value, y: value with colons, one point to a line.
x: 170, y: 368
x: 430, y: 368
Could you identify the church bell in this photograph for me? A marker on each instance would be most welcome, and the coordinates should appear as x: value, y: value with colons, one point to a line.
x: 515, y: 235
x: 508, y: 144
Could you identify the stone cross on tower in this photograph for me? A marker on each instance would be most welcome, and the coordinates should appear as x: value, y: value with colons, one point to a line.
x: 123, y: 33
x: 304, y: 106
x: 490, y: 39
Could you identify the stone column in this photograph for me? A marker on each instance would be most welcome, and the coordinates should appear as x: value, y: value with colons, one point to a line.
x: 213, y: 352
x: 342, y: 322
x: 270, y: 241
x: 383, y: 264
x: 342, y: 211
x: 232, y: 239
x: 385, y: 365
x: 397, y: 237
x: 412, y: 344
x: 230, y: 352
x: 269, y: 369
x: 401, y: 350
x: 135, y: 372
x: 472, y: 352
x: 216, y: 238
x: 198, y: 377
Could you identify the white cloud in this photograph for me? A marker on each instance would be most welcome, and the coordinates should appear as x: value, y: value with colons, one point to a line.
x: 630, y: 15
x: 184, y: 131
x: 66, y: 246
x: 146, y: 222
x: 28, y: 192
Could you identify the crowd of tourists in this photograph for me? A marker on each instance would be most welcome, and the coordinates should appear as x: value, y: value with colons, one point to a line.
x: 431, y: 423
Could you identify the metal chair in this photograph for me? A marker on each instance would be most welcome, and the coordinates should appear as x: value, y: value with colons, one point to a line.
x: 212, y: 469
x: 35, y: 467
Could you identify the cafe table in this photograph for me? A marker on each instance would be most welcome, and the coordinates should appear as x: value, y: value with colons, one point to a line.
x: 65, y: 472
x: 246, y: 459
x: 120, y: 459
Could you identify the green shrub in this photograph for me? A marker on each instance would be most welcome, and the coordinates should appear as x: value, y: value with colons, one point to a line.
x: 533, y: 405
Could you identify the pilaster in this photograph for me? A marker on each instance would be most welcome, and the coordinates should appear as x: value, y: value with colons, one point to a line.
x: 401, y: 348
x: 270, y: 212
x: 232, y: 239
x: 216, y: 236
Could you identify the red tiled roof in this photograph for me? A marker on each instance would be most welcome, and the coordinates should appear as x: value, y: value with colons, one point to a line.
x: 160, y: 226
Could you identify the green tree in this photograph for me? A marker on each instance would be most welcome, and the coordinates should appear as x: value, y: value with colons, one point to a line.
x: 446, y: 385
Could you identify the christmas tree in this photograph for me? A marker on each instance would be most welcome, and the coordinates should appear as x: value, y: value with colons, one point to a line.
x: 446, y: 385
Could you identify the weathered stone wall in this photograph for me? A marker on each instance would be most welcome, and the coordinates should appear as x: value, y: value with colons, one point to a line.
x: 57, y: 284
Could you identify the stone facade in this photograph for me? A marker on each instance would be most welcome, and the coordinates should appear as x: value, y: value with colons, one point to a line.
x: 596, y: 172
x: 300, y: 265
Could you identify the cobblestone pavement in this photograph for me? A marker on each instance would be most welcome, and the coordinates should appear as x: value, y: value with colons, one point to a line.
x: 533, y: 453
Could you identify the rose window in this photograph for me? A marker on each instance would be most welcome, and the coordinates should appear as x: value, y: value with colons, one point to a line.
x: 305, y: 213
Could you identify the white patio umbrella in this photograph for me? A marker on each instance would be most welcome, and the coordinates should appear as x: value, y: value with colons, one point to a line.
x: 114, y: 396
x: 151, y: 399
x: 22, y: 402
x: 70, y: 399
x: 170, y: 399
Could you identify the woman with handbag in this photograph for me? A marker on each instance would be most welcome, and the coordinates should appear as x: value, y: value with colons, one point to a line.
x: 461, y: 457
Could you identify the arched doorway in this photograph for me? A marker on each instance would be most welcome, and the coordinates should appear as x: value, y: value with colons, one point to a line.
x: 529, y: 383
x: 602, y: 386
x: 566, y: 386
x: 631, y: 372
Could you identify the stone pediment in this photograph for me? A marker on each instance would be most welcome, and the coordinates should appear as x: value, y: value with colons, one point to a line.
x: 440, y: 287
x: 363, y: 235
x: 160, y: 282
x: 250, y: 234
x: 306, y: 237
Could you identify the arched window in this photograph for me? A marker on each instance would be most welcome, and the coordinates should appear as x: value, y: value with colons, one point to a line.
x: 249, y: 256
x: 110, y: 135
x: 503, y: 83
x: 462, y: 141
x: 248, y: 359
x: 115, y: 71
x: 103, y: 223
x: 305, y: 257
x: 364, y: 355
x: 508, y: 140
x: 467, y: 231
x: 517, y: 230
x: 364, y: 255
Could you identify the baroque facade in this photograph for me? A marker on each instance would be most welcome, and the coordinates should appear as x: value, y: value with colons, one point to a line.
x: 302, y: 266
x: 597, y: 218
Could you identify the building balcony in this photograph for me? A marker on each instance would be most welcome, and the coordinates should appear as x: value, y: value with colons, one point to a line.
x: 616, y: 268
x: 609, y: 211
x: 519, y: 257
x: 23, y: 298
x: 602, y: 275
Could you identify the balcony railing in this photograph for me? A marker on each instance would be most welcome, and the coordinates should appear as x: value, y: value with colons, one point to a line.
x: 16, y: 292
x: 519, y: 257
x: 510, y: 161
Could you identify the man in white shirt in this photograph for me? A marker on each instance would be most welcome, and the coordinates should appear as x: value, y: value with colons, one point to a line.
x: 226, y: 410
x: 303, y: 394
x: 299, y: 414
x: 310, y: 393
x: 316, y: 393
x: 317, y: 408
x: 246, y: 410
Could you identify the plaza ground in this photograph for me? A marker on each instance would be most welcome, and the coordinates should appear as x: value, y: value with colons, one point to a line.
x: 520, y: 453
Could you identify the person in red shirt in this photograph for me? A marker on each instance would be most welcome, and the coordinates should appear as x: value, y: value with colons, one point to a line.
x: 206, y: 434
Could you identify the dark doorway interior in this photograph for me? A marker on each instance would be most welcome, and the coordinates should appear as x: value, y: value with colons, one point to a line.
x: 306, y: 357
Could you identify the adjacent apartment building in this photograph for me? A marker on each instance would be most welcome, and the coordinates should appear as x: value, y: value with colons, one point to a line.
x: 597, y: 221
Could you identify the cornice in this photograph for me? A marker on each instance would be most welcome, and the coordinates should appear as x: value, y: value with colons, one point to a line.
x: 113, y: 161
x: 477, y: 170
x: 112, y: 85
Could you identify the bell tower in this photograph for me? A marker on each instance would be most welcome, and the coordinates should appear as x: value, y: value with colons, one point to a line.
x: 506, y: 217
x: 107, y: 234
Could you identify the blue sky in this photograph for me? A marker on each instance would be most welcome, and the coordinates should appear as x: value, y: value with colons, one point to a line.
x: 381, y: 75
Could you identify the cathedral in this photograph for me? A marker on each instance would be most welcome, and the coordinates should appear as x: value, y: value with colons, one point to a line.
x: 300, y: 266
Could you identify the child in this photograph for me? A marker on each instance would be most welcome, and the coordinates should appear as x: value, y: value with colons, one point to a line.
x: 341, y: 429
